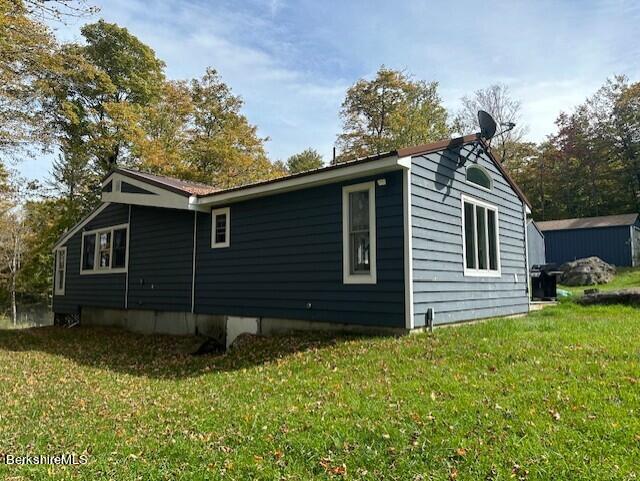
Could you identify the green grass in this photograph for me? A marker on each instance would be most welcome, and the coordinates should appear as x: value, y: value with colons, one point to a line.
x: 625, y: 278
x: 555, y: 395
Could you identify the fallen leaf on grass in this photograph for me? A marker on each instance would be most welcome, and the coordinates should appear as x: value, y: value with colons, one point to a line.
x: 554, y: 414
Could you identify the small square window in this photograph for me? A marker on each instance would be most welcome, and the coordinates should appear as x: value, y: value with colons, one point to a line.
x: 220, y: 227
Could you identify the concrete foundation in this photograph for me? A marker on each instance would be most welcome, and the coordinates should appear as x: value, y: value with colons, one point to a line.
x: 224, y: 329
x: 157, y: 322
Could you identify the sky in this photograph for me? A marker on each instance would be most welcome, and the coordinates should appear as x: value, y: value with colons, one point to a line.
x: 292, y: 62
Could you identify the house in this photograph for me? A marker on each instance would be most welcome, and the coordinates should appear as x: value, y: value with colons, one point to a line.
x: 426, y: 235
x: 535, y: 244
x: 613, y: 238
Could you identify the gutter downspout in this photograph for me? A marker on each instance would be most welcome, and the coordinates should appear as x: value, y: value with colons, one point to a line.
x: 526, y: 256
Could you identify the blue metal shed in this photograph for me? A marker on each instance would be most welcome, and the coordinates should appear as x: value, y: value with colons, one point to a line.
x: 613, y: 238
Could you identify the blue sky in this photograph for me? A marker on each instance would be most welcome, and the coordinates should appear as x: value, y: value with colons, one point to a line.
x: 293, y: 61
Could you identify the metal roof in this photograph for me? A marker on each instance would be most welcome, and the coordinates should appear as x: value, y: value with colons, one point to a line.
x: 178, y: 186
x: 199, y: 190
x: 588, y: 222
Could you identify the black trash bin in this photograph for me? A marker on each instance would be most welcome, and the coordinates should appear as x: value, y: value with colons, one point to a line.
x: 544, y: 280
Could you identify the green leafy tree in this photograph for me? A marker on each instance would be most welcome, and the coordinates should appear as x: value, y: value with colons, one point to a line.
x: 27, y: 52
x: 308, y: 159
x: 224, y: 149
x: 591, y: 165
x: 392, y: 110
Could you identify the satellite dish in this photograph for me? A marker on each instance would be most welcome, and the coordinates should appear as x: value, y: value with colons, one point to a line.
x: 487, y: 125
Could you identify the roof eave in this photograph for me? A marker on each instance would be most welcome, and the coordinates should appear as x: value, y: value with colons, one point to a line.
x: 361, y: 168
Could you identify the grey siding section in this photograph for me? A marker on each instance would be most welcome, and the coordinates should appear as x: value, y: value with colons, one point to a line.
x: 160, y: 259
x: 98, y: 290
x: 611, y: 244
x: 437, y: 183
x: 535, y: 242
x: 286, y: 253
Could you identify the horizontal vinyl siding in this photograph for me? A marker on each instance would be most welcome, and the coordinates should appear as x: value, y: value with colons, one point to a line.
x: 96, y: 290
x: 286, y: 251
x: 160, y: 259
x: 611, y: 244
x: 437, y: 183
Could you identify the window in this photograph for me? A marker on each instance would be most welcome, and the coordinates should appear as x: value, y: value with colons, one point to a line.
x: 119, y: 248
x: 359, y: 233
x: 105, y: 250
x: 61, y: 271
x: 481, y: 242
x: 220, y: 226
x: 479, y: 176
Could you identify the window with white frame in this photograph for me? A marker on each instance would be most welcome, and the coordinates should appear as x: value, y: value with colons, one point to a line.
x: 61, y: 271
x: 481, y: 238
x: 220, y: 227
x: 359, y: 233
x: 105, y: 250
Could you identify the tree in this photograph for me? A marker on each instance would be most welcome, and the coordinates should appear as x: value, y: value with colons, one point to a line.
x: 223, y: 149
x: 591, y: 165
x: 497, y: 100
x: 388, y: 112
x: 137, y: 78
x: 27, y: 51
x: 308, y: 159
x: 162, y: 139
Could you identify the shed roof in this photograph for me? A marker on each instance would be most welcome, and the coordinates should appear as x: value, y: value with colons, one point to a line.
x: 589, y: 222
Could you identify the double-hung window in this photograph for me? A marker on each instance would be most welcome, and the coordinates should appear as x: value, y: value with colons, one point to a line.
x: 359, y: 233
x: 220, y: 227
x: 105, y: 250
x: 480, y: 237
x: 61, y: 271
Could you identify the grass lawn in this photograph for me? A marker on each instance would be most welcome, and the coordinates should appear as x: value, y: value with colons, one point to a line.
x: 626, y: 277
x: 555, y: 395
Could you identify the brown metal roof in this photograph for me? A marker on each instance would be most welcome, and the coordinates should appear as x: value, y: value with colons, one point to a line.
x: 183, y: 187
x: 588, y: 222
x: 194, y: 188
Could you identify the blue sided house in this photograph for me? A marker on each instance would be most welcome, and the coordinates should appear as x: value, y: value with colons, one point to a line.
x: 420, y: 236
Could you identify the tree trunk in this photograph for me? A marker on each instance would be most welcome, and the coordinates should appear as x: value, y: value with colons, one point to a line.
x: 14, y: 270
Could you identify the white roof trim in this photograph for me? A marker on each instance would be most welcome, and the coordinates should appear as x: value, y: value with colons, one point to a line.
x: 80, y: 225
x: 372, y: 167
x: 159, y: 197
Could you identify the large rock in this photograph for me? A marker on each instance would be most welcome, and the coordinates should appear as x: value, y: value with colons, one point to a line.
x: 630, y: 297
x: 586, y: 272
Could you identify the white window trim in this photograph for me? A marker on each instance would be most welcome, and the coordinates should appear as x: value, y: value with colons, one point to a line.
x: 347, y: 277
x: 59, y: 291
x: 96, y: 254
x: 479, y: 272
x: 486, y: 172
x: 227, y: 236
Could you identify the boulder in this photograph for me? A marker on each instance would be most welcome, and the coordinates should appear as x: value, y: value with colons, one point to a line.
x: 629, y: 297
x: 586, y: 272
